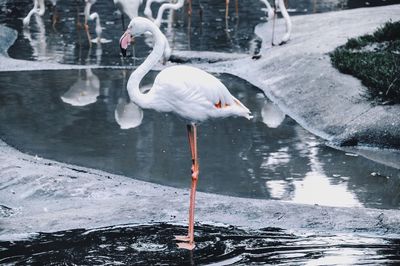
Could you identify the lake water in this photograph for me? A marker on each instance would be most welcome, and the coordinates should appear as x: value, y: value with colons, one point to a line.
x: 71, y: 116
x: 153, y: 245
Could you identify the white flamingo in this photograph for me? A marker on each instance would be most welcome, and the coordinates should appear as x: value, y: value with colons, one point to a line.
x: 165, y: 6
x: 189, y: 92
x: 86, y: 11
x: 129, y: 8
x: 38, y: 8
x: 286, y: 17
x: 98, y: 29
x: 147, y: 10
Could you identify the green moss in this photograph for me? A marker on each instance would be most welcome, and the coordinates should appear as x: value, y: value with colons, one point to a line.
x: 375, y: 60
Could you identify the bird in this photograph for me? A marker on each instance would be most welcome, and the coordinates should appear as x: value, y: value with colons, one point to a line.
x: 189, y: 92
x: 88, y: 6
x: 272, y: 15
x: 129, y: 8
x: 147, y: 10
x: 165, y: 6
x: 98, y: 29
x: 38, y: 8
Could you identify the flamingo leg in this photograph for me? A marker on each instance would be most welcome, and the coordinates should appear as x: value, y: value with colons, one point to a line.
x: 226, y: 8
x: 189, y: 239
x: 273, y: 28
x: 190, y: 7
x: 237, y: 8
x: 87, y: 33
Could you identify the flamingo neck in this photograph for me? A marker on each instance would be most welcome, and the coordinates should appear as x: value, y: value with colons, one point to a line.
x: 166, y: 6
x: 95, y: 16
x: 147, y: 10
x: 144, y: 100
x: 87, y: 11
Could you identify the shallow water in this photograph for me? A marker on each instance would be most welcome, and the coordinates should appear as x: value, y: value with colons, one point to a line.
x: 65, y: 43
x: 71, y: 116
x: 153, y: 244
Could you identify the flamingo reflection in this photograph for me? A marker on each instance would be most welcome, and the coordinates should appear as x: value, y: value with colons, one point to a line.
x: 84, y: 91
x: 127, y: 114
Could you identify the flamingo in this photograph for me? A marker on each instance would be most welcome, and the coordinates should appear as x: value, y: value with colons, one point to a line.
x: 285, y: 14
x: 165, y: 6
x: 147, y: 10
x: 88, y: 6
x: 189, y: 92
x: 98, y: 29
x: 129, y: 8
x: 38, y: 8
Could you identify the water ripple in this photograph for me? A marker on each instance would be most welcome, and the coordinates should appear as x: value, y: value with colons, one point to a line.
x: 153, y: 244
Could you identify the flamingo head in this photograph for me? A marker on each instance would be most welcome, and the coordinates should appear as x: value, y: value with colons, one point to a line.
x: 136, y: 27
x: 124, y: 42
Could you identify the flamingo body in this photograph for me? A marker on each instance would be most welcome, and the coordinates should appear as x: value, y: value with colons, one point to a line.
x: 194, y: 94
x: 129, y: 7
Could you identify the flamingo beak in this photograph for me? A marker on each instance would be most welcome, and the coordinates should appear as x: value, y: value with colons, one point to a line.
x: 124, y: 42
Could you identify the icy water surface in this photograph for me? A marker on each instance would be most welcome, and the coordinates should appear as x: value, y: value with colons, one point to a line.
x: 65, y: 43
x: 76, y: 117
x: 154, y: 245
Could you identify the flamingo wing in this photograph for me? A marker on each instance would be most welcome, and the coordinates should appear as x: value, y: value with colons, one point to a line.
x: 193, y: 94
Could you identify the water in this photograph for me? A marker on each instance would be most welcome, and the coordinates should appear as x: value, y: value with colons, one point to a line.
x: 70, y: 116
x: 65, y: 43
x: 153, y: 244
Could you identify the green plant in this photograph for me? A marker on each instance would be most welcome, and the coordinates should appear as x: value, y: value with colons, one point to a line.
x: 375, y: 60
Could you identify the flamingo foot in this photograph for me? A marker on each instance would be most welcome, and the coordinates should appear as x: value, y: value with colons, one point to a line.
x: 283, y: 42
x: 182, y: 238
x: 188, y: 246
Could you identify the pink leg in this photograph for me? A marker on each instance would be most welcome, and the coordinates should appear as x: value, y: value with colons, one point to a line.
x: 226, y: 8
x: 190, y: 7
x: 237, y: 8
x: 189, y: 239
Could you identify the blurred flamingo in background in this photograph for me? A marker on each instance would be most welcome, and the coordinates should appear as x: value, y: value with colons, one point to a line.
x: 272, y: 15
x: 129, y: 8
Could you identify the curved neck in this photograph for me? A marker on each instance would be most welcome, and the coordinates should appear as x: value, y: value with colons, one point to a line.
x: 164, y: 7
x: 41, y: 7
x: 143, y: 100
x: 87, y: 11
x: 147, y: 9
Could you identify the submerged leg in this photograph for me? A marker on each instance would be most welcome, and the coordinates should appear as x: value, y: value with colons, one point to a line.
x: 189, y: 239
x: 237, y: 8
x: 226, y: 8
x: 189, y: 7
